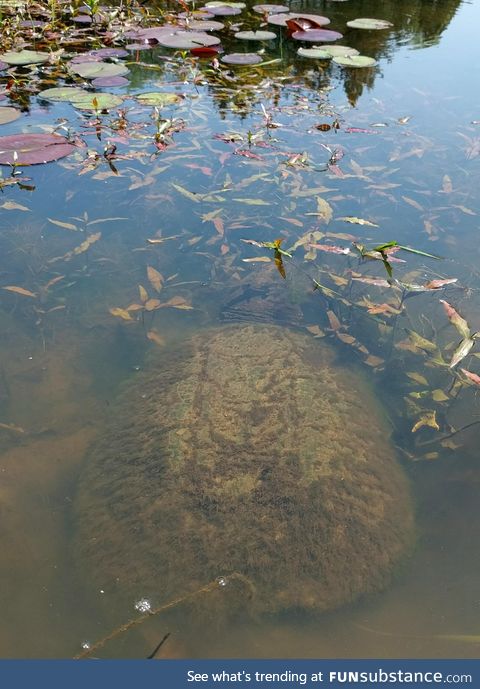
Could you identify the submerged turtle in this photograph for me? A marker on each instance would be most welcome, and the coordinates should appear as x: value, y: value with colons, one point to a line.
x: 245, y: 450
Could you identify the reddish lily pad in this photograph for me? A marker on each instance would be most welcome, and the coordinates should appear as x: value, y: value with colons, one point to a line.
x: 369, y: 23
x: 204, y: 25
x: 24, y: 57
x: 270, y: 9
x: 186, y: 40
x: 33, y: 149
x: 3, y: 65
x: 317, y: 35
x: 282, y: 19
x: 109, y: 82
x: 8, y: 115
x: 206, y: 51
x: 241, y: 59
x: 255, y: 35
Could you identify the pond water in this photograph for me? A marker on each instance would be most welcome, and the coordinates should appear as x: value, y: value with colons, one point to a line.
x: 135, y: 242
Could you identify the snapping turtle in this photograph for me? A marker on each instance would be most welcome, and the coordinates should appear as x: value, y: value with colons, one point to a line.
x: 244, y: 450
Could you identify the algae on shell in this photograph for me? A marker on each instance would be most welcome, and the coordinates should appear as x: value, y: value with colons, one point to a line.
x: 247, y: 450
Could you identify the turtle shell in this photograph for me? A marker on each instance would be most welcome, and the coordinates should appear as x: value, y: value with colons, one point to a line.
x: 247, y: 453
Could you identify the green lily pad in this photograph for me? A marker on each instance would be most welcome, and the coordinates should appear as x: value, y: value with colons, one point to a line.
x: 103, y: 101
x: 62, y: 94
x: 94, y: 70
x: 158, y: 98
x: 8, y: 115
x: 355, y: 61
x: 369, y: 23
x: 24, y: 57
x: 316, y: 53
x: 338, y: 50
x: 255, y: 35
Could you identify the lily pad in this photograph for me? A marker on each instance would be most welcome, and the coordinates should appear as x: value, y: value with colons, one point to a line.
x: 204, y: 25
x: 103, y: 101
x: 62, y: 93
x: 315, y: 53
x: 241, y: 59
x: 24, y: 57
x: 224, y: 11
x: 95, y: 70
x: 270, y: 9
x: 33, y: 149
x: 281, y: 19
x: 8, y: 115
x: 220, y: 3
x: 104, y: 53
x: 3, y: 65
x: 186, y: 40
x: 336, y: 50
x: 255, y: 35
x: 354, y: 61
x: 317, y: 35
x: 158, y: 98
x: 369, y: 23
x: 109, y: 82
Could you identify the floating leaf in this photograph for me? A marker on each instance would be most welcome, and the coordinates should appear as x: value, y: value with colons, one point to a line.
x: 471, y: 376
x: 417, y: 377
x: 317, y: 35
x: 428, y: 419
x: 314, y: 53
x: 241, y: 59
x: 11, y: 427
x: 143, y: 294
x: 255, y: 35
x: 63, y: 94
x: 13, y: 206
x: 356, y: 61
x: 94, y: 70
x: 152, y: 304
x: 156, y: 279
x: 421, y: 342
x: 65, y: 225
x: 257, y: 259
x: 96, y: 101
x: 369, y: 23
x: 33, y: 149
x: 156, y: 337
x: 159, y: 98
x: 456, y: 320
x: 120, y: 313
x: 378, y: 282
x: 439, y: 396
x: 269, y: 9
x: 315, y: 330
x: 281, y: 19
x: 331, y: 248
x: 20, y: 290
x: 178, y: 303
x: 438, y: 284
x: 461, y: 351
x: 324, y: 210
x: 8, y: 114
x: 357, y: 221
x: 25, y: 57
x: 185, y: 40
